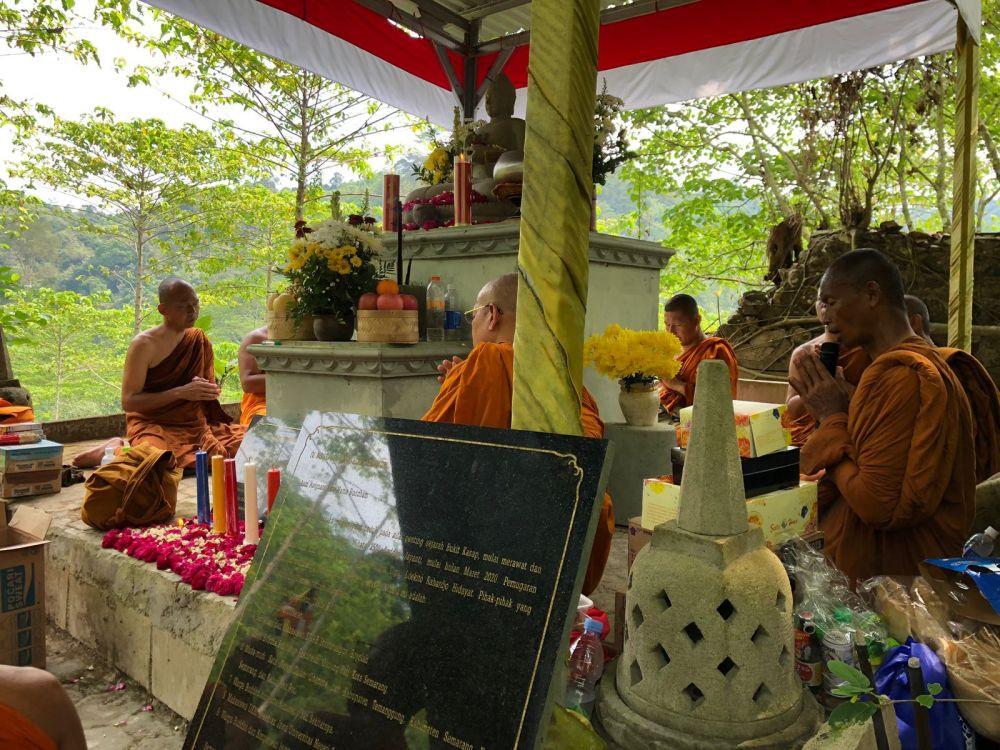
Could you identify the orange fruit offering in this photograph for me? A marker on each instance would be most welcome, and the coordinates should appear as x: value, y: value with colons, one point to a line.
x: 387, y: 286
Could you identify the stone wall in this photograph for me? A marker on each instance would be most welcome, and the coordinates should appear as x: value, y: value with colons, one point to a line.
x: 768, y: 325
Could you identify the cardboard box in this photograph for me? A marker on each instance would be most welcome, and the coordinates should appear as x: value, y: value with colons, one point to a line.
x: 43, y: 456
x: 758, y: 428
x: 783, y: 514
x: 638, y: 538
x: 29, y: 483
x: 22, y: 586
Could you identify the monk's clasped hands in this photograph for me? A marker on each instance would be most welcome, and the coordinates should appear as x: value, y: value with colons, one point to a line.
x: 445, y: 367
x: 823, y: 394
x: 199, y: 389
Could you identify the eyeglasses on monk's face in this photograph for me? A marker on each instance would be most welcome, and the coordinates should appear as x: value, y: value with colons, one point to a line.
x: 470, y: 314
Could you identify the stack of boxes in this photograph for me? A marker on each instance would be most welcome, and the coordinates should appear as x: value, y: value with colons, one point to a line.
x: 777, y: 500
x: 31, y: 468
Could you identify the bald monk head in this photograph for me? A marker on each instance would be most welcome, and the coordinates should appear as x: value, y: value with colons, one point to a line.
x: 179, y: 304
x: 681, y: 318
x: 920, y: 317
x: 494, y: 314
x: 861, y: 295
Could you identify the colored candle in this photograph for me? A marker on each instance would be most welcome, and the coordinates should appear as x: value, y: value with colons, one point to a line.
x: 250, y: 504
x: 273, y: 482
x: 463, y: 191
x: 232, y: 507
x: 218, y: 496
x: 201, y: 484
x: 390, y: 194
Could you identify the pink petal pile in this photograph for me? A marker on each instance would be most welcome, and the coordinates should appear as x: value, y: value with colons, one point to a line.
x: 205, y: 561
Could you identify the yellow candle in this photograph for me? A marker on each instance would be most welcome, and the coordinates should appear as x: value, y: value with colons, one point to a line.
x: 250, y: 503
x: 218, y: 496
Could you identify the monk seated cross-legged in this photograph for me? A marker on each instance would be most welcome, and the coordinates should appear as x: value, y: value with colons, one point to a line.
x: 253, y: 381
x: 900, y: 469
x: 169, y: 393
x: 979, y: 387
x: 681, y: 318
x: 478, y: 390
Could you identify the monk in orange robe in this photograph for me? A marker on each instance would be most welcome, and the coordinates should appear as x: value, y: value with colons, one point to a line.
x: 900, y: 470
x: 478, y: 390
x: 169, y: 393
x: 36, y: 713
x: 979, y: 388
x: 252, y: 380
x: 681, y: 318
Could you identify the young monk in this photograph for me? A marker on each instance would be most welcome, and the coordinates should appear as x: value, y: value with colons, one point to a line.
x: 252, y: 380
x: 478, y: 390
x: 853, y: 361
x: 900, y: 469
x: 681, y: 318
x: 169, y: 392
x: 979, y: 388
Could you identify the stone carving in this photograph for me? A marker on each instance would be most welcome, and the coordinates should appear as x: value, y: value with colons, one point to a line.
x: 349, y: 359
x: 708, y: 659
x: 10, y: 387
x: 485, y: 146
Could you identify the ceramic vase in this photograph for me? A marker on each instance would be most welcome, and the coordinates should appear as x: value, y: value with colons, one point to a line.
x: 332, y: 328
x: 640, y: 403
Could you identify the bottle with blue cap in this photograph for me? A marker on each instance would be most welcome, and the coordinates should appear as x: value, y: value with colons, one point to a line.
x: 586, y: 665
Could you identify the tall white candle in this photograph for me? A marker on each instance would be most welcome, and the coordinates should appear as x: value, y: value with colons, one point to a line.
x: 250, y: 503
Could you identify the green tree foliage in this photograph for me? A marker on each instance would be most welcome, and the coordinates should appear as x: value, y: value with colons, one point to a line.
x: 307, y: 123
x: 74, y: 354
x: 147, y: 177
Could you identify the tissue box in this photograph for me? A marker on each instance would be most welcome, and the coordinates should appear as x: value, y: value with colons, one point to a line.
x: 758, y: 428
x: 638, y: 538
x: 28, y: 483
x: 782, y: 515
x: 43, y: 456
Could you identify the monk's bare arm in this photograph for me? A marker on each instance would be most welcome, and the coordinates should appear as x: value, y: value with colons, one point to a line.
x: 676, y: 384
x: 252, y: 380
x: 794, y: 406
x: 134, y: 399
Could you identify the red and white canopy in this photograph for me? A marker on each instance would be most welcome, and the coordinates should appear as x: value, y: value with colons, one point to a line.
x: 413, y: 54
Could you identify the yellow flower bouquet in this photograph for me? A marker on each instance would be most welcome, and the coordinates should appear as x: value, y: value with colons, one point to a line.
x: 633, y: 358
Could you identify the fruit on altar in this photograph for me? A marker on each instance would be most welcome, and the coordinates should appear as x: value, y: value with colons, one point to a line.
x: 387, y: 286
x: 270, y: 300
x: 410, y: 302
x: 390, y: 302
x: 368, y: 301
x: 281, y: 303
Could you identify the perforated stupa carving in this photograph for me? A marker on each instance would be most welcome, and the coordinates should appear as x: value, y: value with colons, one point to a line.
x: 708, y: 659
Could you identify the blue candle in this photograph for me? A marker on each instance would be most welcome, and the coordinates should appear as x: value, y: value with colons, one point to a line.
x: 201, y: 478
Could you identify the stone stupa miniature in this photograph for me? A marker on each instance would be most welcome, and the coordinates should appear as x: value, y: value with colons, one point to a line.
x: 708, y: 659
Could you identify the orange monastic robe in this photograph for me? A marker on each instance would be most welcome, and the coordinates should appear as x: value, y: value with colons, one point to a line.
x: 711, y: 348
x: 185, y: 427
x: 252, y: 405
x: 985, y: 402
x: 899, y: 484
x: 17, y: 732
x: 853, y: 362
x: 478, y: 392
x: 11, y: 413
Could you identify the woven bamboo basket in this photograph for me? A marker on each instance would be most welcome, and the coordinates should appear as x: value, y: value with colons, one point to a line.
x: 388, y: 326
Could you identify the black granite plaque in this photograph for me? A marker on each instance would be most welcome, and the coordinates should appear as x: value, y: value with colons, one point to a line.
x: 269, y: 444
x: 413, y: 589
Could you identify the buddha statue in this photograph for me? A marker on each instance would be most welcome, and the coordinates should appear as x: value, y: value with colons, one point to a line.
x: 503, y: 133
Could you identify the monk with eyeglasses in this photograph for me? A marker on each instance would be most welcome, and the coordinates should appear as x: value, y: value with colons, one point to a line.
x: 477, y: 391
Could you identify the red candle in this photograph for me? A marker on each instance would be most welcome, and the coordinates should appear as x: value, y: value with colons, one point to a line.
x: 390, y: 194
x: 463, y: 191
x: 273, y: 482
x: 232, y: 514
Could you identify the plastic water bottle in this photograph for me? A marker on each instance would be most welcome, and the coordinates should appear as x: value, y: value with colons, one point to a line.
x: 435, y: 310
x: 452, y: 316
x: 586, y: 665
x: 981, y: 544
x: 109, y: 456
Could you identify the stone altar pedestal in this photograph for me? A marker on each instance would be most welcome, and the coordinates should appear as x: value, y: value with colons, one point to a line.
x: 640, y: 453
x: 624, y: 283
x: 401, y: 381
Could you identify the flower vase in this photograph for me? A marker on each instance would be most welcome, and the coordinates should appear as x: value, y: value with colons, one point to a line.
x: 333, y: 327
x: 640, y: 403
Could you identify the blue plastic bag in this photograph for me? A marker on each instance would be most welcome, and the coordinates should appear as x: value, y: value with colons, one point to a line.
x: 948, y: 730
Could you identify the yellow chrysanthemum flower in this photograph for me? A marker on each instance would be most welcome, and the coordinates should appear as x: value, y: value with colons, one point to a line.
x: 356, y: 261
x: 620, y: 353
